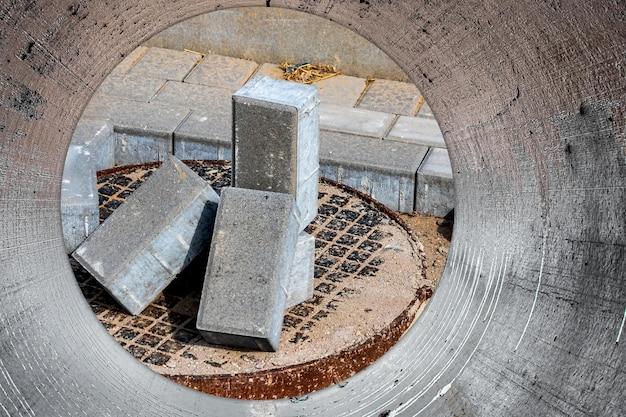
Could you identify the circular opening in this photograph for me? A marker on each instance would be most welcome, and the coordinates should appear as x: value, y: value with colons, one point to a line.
x: 385, y: 202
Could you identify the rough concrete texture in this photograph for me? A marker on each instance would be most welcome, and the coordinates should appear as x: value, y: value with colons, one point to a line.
x: 383, y: 169
x: 222, y: 71
x: 279, y: 35
x: 434, y: 193
x: 300, y: 278
x: 79, y: 196
x: 97, y: 136
x: 389, y: 96
x: 358, y: 121
x: 276, y: 141
x: 159, y: 230
x: 244, y: 293
x: 342, y: 90
x: 136, y: 87
x: 526, y: 319
x: 205, y: 135
x: 417, y: 130
x: 214, y: 98
x: 165, y: 64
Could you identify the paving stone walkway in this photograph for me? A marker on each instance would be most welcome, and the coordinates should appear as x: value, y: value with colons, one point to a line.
x: 376, y: 135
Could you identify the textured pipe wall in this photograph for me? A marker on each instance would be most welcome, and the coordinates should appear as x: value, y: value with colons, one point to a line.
x: 531, y: 98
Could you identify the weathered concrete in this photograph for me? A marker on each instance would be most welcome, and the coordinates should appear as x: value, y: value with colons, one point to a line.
x: 265, y: 34
x: 276, y: 141
x: 526, y: 318
x: 222, y: 71
x: 417, y: 130
x: 341, y: 90
x: 434, y: 193
x: 150, y: 238
x: 385, y: 170
x: 79, y: 196
x: 251, y: 253
x: 98, y: 139
x: 135, y: 87
x: 300, y: 279
x: 205, y: 135
x: 213, y: 99
x: 357, y: 121
x: 165, y: 64
x: 389, y: 96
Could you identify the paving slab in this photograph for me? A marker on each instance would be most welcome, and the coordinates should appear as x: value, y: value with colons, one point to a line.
x: 79, y: 196
x: 342, y: 90
x: 97, y: 136
x: 435, y: 187
x: 244, y: 294
x: 129, y: 61
x: 150, y: 238
x: 145, y: 131
x: 132, y: 87
x: 390, y: 96
x: 222, y: 71
x: 356, y: 121
x: 417, y: 130
x: 165, y: 64
x: 205, y: 135
x: 270, y: 70
x: 276, y: 141
x: 425, y: 111
x: 195, y: 96
x: 301, y: 275
x: 385, y: 170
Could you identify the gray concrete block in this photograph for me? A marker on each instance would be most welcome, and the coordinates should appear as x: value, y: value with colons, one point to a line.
x: 205, y: 135
x: 342, y: 90
x: 425, y: 111
x: 97, y: 136
x: 301, y: 275
x: 145, y: 131
x: 165, y: 64
x: 435, y: 186
x: 389, y: 96
x: 79, y: 196
x: 276, y: 141
x: 150, y: 238
x: 132, y: 87
x: 199, y: 97
x: 222, y: 71
x: 129, y: 61
x: 356, y: 121
x: 417, y: 130
x: 386, y: 170
x: 243, y: 298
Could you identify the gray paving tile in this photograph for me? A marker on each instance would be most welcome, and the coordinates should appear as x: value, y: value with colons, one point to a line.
x: 270, y: 70
x: 222, y: 71
x: 132, y: 87
x: 243, y: 298
x: 205, y: 135
x: 342, y: 90
x: 150, y: 238
x: 165, y: 64
x: 356, y: 121
x: 386, y: 170
x: 195, y: 96
x: 129, y: 61
x: 389, y: 96
x: 435, y: 187
x: 417, y: 130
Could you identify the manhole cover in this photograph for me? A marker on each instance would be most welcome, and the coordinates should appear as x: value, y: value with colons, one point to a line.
x: 368, y: 289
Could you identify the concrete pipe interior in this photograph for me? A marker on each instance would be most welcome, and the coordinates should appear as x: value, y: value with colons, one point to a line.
x: 529, y: 315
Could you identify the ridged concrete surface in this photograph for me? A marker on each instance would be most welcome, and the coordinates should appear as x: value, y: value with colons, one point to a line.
x: 530, y: 97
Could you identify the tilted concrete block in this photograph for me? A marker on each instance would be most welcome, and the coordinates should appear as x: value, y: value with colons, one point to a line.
x: 434, y: 193
x: 385, y: 170
x: 150, y: 238
x: 276, y: 141
x: 300, y: 282
x: 97, y: 137
x: 79, y: 196
x: 251, y: 254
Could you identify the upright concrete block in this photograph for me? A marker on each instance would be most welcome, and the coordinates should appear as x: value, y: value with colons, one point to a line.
x: 276, y: 141
x: 150, y: 238
x: 434, y: 193
x: 251, y: 254
x: 79, y: 196
x: 300, y: 282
